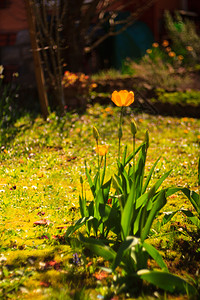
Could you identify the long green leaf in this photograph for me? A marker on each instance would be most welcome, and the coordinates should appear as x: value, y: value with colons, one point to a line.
x: 158, y: 204
x: 98, y: 247
x: 79, y: 223
x: 110, y: 217
x: 128, y: 213
x: 130, y: 157
x: 194, y: 199
x: 83, y: 208
x: 104, y: 171
x: 160, y: 181
x: 168, y: 216
x: 191, y: 195
x: 91, y: 184
x: 139, y: 171
x: 191, y: 217
x: 149, y: 176
x: 167, y: 281
x: 124, y: 156
x: 155, y: 255
x: 124, y: 247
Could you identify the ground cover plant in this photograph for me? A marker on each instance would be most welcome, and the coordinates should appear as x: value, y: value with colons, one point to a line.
x: 41, y: 166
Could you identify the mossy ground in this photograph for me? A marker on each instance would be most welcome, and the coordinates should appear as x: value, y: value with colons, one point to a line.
x: 39, y: 187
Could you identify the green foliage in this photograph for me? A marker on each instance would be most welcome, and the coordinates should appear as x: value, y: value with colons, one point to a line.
x: 137, y: 203
x: 194, y: 198
x: 185, y: 39
x: 40, y: 173
x: 8, y: 111
x: 132, y: 256
x: 184, y: 98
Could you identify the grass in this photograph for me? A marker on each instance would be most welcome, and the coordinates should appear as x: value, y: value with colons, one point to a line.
x: 39, y: 188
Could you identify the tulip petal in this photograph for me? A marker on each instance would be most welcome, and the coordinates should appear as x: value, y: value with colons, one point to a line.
x: 129, y: 99
x: 115, y: 98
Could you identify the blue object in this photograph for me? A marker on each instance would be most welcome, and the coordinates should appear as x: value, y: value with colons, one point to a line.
x: 132, y: 43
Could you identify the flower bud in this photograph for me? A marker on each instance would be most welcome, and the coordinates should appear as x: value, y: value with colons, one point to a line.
x: 95, y: 133
x: 133, y: 127
x: 81, y: 180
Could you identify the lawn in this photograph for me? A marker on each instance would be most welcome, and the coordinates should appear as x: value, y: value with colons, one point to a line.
x: 41, y: 165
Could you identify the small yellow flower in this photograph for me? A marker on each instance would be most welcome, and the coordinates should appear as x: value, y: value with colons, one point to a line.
x: 16, y: 74
x: 78, y: 130
x: 180, y: 57
x: 186, y: 131
x: 149, y: 51
x: 198, y: 136
x: 165, y: 43
x: 168, y: 49
x: 101, y: 149
x: 172, y: 54
x: 185, y: 119
x: 155, y: 45
x: 1, y: 69
x: 93, y: 85
x: 189, y: 48
x: 122, y: 98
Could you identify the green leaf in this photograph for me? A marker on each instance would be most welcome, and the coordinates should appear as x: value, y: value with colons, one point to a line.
x: 91, y: 184
x: 149, y: 176
x: 194, y: 199
x: 98, y: 247
x: 123, y: 248
x: 167, y: 282
x: 117, y: 184
x: 106, y: 190
x: 168, y: 216
x: 128, y: 213
x: 110, y: 217
x: 79, y: 223
x: 104, y: 171
x: 155, y: 255
x: 157, y: 205
x: 160, y: 181
x: 130, y: 157
x: 83, y: 208
x: 191, y: 217
x: 139, y: 171
x: 124, y: 156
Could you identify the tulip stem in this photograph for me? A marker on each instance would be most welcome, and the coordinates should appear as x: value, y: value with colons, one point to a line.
x: 134, y: 159
x: 120, y: 132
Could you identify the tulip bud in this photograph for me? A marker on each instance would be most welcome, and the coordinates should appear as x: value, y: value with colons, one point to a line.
x: 133, y: 127
x: 95, y: 133
x: 81, y: 180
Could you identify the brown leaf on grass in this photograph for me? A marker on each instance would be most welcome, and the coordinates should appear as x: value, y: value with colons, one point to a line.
x: 42, y: 222
x: 71, y: 158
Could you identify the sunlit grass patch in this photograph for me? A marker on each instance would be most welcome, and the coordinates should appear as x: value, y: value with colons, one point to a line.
x: 40, y: 185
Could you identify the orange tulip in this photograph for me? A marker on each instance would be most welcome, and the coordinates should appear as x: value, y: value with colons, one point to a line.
x: 165, y: 43
x: 155, y: 45
x: 172, y: 54
x: 101, y: 149
x: 122, y: 98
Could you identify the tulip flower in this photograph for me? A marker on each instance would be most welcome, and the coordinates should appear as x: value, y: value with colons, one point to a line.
x: 122, y: 98
x: 101, y: 149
